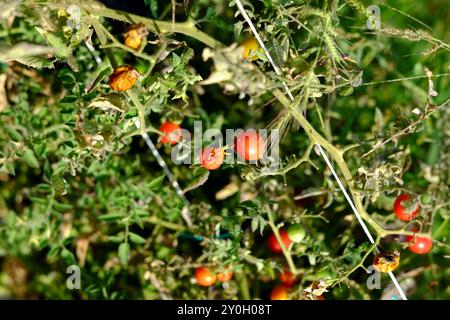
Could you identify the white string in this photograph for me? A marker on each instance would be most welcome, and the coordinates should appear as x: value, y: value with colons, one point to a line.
x: 169, y: 175
x: 344, y: 191
x: 358, y: 216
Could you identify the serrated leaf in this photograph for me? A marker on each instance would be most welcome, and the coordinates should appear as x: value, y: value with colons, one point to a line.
x: 22, y: 50
x: 135, y: 238
x: 36, y: 62
x: 30, y: 158
x: 124, y: 252
x: 61, y: 50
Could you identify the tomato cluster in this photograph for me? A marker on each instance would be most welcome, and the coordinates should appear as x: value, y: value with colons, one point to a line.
x: 419, y: 245
x: 205, y: 277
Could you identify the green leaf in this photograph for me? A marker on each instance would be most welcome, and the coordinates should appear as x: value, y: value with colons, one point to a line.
x: 61, y: 50
x: 62, y: 207
x: 135, y: 238
x: 115, y: 239
x: 155, y: 183
x: 110, y: 216
x: 153, y: 7
x: 99, y: 78
x: 58, y: 184
x: 69, y: 99
x: 30, y: 158
x: 36, y: 62
x: 14, y: 134
x: 10, y: 167
x: 124, y: 252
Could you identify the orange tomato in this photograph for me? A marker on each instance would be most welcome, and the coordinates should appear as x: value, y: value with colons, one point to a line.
x: 134, y: 36
x: 250, y: 146
x: 250, y: 45
x: 212, y: 158
x: 279, y: 293
x: 225, y: 276
x: 123, y: 78
x: 205, y: 277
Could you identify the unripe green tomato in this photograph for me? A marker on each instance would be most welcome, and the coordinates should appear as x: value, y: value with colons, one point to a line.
x: 296, y: 232
x: 426, y: 199
x: 340, y: 293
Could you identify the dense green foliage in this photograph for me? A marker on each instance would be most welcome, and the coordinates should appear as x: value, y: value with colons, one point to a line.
x: 79, y: 185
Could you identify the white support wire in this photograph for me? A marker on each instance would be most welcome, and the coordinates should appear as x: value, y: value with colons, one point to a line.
x: 344, y: 191
x: 174, y: 183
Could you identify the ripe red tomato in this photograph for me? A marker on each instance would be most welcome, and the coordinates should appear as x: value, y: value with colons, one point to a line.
x: 420, y: 245
x: 171, y: 131
x: 287, y: 278
x: 212, y: 158
x: 399, y: 209
x: 205, y: 277
x: 250, y: 146
x: 225, y: 276
x: 273, y: 244
x: 279, y: 293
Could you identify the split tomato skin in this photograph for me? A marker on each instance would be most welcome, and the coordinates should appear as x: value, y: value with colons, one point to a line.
x: 205, y: 277
x: 250, y: 146
x: 212, y: 158
x: 123, y: 78
x: 420, y: 245
x: 279, y: 293
x: 400, y: 210
x: 134, y: 36
x: 273, y: 244
x: 287, y: 278
x: 171, y: 133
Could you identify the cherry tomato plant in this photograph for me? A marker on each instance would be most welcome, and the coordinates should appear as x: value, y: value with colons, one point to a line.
x: 94, y: 101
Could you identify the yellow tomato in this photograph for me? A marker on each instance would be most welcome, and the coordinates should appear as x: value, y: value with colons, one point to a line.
x: 250, y: 45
